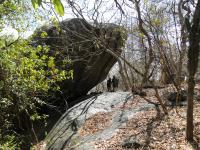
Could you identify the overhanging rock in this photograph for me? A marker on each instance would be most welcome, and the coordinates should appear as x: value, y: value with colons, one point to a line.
x: 86, y: 46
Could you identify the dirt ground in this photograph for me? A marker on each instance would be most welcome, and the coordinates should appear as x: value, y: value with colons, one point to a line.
x: 151, y: 128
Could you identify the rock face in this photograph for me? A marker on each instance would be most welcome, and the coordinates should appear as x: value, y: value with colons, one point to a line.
x: 108, y: 112
x: 85, y: 45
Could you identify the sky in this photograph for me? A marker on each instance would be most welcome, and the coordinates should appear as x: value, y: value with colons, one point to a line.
x: 107, y: 12
x: 9, y: 34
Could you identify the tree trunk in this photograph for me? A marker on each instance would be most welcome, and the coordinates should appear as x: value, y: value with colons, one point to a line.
x: 193, y: 54
x: 189, y: 130
x: 126, y: 73
x: 123, y: 76
x: 150, y: 49
x: 183, y: 45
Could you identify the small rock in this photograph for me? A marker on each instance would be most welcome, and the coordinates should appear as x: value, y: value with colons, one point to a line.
x: 172, y: 100
x: 181, y: 98
x: 131, y: 144
x: 140, y: 93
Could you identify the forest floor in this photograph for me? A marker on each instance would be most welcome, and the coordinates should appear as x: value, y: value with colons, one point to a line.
x: 151, y: 128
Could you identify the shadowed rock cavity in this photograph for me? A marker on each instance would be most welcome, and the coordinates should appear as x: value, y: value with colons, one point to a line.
x: 176, y: 98
x: 85, y: 45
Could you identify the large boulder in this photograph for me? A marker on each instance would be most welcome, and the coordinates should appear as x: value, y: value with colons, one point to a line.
x: 85, y: 45
x: 97, y: 118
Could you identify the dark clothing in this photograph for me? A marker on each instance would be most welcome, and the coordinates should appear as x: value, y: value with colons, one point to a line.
x: 115, y: 83
x: 109, y: 82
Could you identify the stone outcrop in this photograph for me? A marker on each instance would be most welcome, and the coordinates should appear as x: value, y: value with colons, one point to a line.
x: 108, y: 111
x: 85, y: 45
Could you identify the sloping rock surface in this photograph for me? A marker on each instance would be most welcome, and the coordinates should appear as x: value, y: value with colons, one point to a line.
x: 85, y: 46
x: 113, y: 112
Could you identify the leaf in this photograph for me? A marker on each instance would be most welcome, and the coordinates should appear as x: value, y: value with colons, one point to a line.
x: 43, y: 34
x: 141, y: 35
x: 35, y: 4
x: 156, y: 22
x: 51, y: 63
x: 58, y: 7
x: 39, y: 2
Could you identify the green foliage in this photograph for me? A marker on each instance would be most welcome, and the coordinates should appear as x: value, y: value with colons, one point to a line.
x: 58, y: 6
x: 36, y: 3
x: 7, y: 7
x: 27, y: 69
x: 43, y: 34
x: 10, y: 144
x: 26, y: 73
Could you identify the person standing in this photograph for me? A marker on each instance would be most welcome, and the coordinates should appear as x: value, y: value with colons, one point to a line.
x: 114, y: 83
x: 109, y: 82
